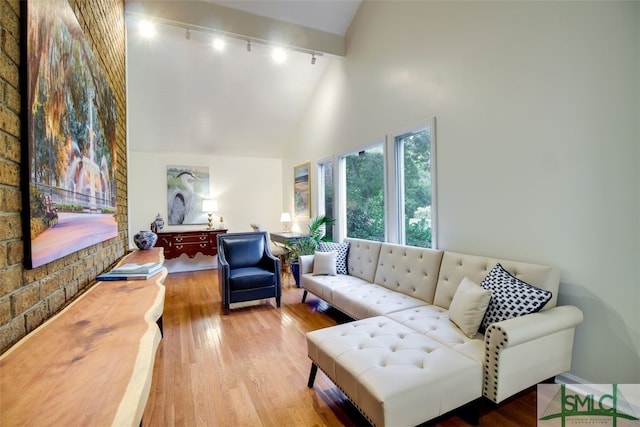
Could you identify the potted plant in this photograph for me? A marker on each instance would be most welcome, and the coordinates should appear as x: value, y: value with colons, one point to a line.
x: 306, y: 245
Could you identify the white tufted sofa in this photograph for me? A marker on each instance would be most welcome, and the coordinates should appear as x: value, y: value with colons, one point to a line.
x: 400, y: 360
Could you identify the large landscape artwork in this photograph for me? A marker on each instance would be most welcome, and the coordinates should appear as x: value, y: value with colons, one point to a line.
x: 70, y: 125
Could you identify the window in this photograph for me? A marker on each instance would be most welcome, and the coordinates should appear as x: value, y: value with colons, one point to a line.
x: 384, y: 192
x: 365, y: 201
x: 413, y: 166
x: 325, y: 176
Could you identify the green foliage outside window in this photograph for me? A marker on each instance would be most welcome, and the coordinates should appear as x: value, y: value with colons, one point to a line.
x: 365, y: 190
x: 417, y: 187
x: 365, y: 194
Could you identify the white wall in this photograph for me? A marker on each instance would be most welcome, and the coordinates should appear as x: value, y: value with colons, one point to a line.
x: 247, y: 189
x: 537, y: 107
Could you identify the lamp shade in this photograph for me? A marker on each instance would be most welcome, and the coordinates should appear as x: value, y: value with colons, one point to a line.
x: 285, y: 217
x: 209, y: 205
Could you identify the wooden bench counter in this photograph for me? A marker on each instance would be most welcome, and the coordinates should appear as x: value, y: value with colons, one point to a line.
x: 92, y: 363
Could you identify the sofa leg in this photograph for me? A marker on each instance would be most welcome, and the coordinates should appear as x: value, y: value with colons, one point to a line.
x: 304, y: 296
x: 471, y: 412
x: 278, y: 301
x: 312, y: 374
x: 225, y: 308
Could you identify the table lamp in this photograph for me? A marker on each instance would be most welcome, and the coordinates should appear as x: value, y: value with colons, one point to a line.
x: 209, y: 206
x: 285, y: 219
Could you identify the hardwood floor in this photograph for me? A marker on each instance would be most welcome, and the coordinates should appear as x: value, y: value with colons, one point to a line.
x: 250, y: 368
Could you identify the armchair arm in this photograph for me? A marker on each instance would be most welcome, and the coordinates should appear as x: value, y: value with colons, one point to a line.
x: 271, y: 263
x: 223, y: 276
x: 223, y: 265
x: 306, y: 264
x: 526, y: 350
x: 268, y: 259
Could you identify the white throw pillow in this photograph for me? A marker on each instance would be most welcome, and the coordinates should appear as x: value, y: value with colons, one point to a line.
x: 324, y: 263
x: 342, y: 251
x: 468, y: 306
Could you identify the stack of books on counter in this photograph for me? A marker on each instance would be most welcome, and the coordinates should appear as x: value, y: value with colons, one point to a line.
x: 131, y: 271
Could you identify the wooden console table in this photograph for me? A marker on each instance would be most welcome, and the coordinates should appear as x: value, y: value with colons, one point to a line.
x: 92, y: 363
x: 176, y: 243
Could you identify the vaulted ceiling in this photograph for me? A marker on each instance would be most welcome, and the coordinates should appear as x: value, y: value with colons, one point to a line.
x: 185, y: 96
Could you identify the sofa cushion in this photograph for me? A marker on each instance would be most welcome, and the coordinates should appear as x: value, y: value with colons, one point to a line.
x: 434, y: 322
x: 341, y: 249
x: 324, y: 263
x: 366, y: 300
x: 323, y: 286
x: 409, y: 269
x: 250, y: 278
x: 244, y: 252
x: 393, y: 374
x: 455, y: 266
x: 511, y: 297
x: 362, y: 260
x: 468, y: 306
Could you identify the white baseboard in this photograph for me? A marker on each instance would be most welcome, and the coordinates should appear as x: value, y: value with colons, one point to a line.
x: 568, y: 378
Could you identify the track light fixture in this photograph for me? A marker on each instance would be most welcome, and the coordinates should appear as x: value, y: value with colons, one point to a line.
x: 219, y: 44
x: 147, y: 29
x: 279, y: 53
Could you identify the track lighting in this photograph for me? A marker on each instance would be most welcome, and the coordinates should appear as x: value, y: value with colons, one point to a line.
x: 147, y: 29
x: 219, y: 44
x: 279, y: 55
x: 220, y: 39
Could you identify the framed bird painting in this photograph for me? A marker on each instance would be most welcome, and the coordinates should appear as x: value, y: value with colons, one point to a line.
x: 187, y: 187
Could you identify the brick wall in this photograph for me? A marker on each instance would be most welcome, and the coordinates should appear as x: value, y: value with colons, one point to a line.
x: 29, y: 297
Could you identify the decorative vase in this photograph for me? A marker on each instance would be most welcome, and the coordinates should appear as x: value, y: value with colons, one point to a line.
x: 159, y: 222
x: 145, y: 239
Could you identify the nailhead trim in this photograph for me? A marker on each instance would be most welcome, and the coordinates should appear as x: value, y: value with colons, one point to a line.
x: 490, y: 387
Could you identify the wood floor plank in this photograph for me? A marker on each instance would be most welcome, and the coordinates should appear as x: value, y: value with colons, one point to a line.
x: 250, y: 368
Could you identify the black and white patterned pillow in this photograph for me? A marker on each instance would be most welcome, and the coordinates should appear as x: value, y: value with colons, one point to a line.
x: 510, y: 297
x: 342, y: 249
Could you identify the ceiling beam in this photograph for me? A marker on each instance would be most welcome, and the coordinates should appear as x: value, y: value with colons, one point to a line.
x: 201, y: 15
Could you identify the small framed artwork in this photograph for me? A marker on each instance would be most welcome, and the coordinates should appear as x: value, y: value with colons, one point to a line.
x: 301, y: 191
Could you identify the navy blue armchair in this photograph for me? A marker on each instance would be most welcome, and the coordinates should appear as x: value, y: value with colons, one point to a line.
x: 247, y: 270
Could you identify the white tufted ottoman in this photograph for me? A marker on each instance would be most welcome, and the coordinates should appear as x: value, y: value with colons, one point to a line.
x: 394, y: 375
